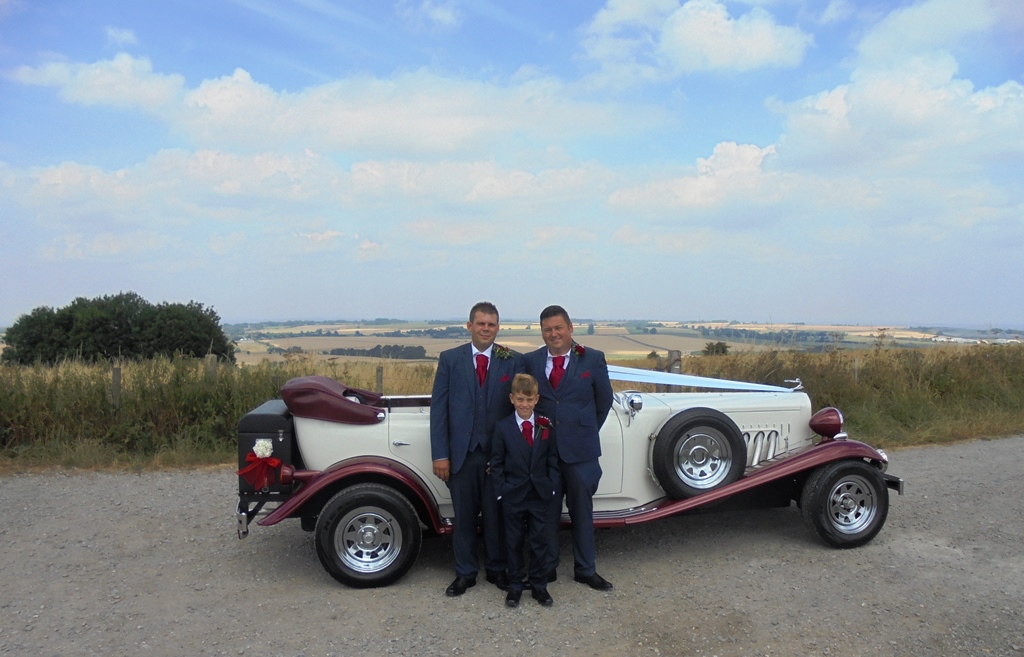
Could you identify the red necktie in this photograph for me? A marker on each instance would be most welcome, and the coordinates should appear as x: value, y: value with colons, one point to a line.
x: 557, y: 370
x: 481, y: 368
x: 528, y: 432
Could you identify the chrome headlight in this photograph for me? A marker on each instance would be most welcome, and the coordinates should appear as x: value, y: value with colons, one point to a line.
x: 883, y: 464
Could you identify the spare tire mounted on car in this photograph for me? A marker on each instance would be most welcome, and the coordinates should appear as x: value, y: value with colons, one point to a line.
x: 697, y: 451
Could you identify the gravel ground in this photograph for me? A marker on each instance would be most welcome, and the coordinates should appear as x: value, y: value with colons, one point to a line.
x: 148, y: 564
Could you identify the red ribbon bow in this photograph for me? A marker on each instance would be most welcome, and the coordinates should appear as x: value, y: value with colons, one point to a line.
x: 257, y: 473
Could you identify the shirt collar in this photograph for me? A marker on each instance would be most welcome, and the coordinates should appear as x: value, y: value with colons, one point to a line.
x: 565, y: 355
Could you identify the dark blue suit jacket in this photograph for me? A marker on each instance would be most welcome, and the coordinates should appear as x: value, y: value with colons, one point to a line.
x: 579, y: 406
x: 452, y: 402
x: 517, y: 467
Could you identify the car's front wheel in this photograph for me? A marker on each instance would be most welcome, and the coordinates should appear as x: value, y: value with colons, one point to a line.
x: 697, y: 451
x: 367, y: 535
x: 845, y: 503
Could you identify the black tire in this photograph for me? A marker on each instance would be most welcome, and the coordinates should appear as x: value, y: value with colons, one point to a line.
x: 368, y: 536
x: 845, y: 503
x: 697, y: 451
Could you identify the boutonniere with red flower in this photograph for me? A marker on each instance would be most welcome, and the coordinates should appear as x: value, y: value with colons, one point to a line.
x: 578, y: 348
x: 501, y: 352
x: 543, y: 427
x: 261, y: 464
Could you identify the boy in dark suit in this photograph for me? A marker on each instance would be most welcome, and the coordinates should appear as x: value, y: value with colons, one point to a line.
x: 524, y: 466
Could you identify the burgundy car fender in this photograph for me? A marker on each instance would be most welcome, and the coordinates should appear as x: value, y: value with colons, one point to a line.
x: 824, y: 452
x: 360, y: 469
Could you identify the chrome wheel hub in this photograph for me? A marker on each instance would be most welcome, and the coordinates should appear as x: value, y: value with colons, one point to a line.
x: 702, y: 459
x: 368, y: 539
x: 852, y: 505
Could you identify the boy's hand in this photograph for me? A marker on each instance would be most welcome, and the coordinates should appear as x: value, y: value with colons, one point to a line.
x: 442, y: 469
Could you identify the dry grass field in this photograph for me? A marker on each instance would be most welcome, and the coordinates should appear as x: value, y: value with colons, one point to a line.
x: 616, y: 342
x: 864, y: 331
x: 614, y: 339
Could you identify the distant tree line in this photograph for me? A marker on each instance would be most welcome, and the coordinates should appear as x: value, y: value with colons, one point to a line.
x: 115, y: 326
x: 278, y: 335
x: 406, y: 352
x: 776, y: 337
x: 447, y: 332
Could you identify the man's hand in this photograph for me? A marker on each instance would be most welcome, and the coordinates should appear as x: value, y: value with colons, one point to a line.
x: 442, y: 469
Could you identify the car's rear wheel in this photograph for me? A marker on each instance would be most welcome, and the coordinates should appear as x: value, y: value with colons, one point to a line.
x: 367, y: 535
x: 697, y: 451
x: 845, y: 503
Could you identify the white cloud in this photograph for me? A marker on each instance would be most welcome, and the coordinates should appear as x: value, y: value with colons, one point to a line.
x: 836, y: 11
x: 905, y: 111
x: 923, y: 28
x: 120, y: 37
x: 555, y: 238
x: 701, y: 35
x: 104, y: 245
x: 369, y: 250
x: 450, y: 233
x: 223, y: 244
x: 662, y: 40
x: 322, y: 237
x: 732, y: 174
x: 412, y: 114
x: 123, y: 81
x: 440, y: 15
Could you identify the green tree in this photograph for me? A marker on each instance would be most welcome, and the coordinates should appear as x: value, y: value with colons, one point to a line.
x: 590, y: 329
x: 715, y: 349
x: 36, y: 336
x: 188, y: 329
x: 119, y: 326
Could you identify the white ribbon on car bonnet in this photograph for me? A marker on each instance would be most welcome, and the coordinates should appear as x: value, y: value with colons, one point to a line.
x: 690, y: 381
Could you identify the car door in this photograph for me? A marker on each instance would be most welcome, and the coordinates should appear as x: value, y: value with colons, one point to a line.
x: 409, y: 442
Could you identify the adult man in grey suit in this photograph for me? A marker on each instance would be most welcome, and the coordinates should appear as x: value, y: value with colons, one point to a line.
x: 471, y: 393
x: 576, y: 394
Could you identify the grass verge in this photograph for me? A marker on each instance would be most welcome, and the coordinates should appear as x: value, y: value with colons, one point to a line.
x: 181, y: 412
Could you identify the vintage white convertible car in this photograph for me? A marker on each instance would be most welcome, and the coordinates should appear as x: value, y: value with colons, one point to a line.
x: 354, y: 466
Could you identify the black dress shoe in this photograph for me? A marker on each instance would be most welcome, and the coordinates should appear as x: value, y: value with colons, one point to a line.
x: 595, y: 582
x: 552, y: 576
x: 498, y: 579
x: 512, y: 597
x: 543, y: 597
x: 459, y: 586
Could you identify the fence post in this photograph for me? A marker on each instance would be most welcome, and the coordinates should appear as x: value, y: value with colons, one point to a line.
x: 674, y: 364
x: 115, y: 385
x: 210, y: 367
x: 380, y: 379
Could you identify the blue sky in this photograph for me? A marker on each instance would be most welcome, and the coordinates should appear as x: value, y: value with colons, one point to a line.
x: 764, y: 160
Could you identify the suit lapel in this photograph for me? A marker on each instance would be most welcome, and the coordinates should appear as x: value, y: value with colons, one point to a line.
x: 522, y: 450
x: 570, y: 371
x: 468, y: 368
x: 535, y: 449
x: 540, y: 357
x: 493, y: 376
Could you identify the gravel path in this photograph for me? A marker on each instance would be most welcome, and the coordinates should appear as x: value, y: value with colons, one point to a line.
x: 148, y: 564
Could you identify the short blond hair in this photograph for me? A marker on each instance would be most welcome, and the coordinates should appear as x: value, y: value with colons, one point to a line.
x: 524, y: 384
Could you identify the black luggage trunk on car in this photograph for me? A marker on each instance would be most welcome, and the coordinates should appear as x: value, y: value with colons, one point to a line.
x: 270, y: 420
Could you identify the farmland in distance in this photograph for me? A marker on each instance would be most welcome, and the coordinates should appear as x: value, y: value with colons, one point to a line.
x: 620, y: 340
